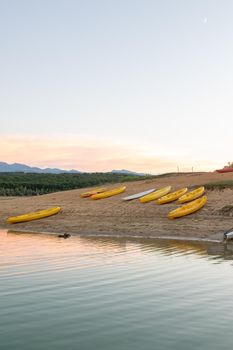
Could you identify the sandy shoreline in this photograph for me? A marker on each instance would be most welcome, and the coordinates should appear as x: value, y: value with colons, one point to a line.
x: 113, y: 217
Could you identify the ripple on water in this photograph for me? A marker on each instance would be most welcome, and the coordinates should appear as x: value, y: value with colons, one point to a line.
x: 108, y: 293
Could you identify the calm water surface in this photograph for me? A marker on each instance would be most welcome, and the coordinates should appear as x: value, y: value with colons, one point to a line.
x: 104, y: 293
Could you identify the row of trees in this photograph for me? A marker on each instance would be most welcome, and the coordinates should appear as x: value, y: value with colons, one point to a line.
x: 28, y: 184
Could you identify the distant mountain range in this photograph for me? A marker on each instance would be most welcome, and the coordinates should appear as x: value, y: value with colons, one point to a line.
x: 127, y: 172
x: 17, y: 167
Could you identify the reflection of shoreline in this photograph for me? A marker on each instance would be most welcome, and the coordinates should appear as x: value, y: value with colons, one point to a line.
x: 168, y: 245
x: 224, y: 250
x: 112, y: 235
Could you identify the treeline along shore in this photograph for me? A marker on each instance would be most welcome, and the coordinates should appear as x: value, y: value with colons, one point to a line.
x: 19, y: 184
x: 31, y: 184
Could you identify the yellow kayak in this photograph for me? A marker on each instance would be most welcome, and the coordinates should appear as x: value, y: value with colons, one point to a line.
x: 109, y: 193
x: 188, y: 208
x: 33, y: 216
x: 92, y: 192
x: 155, y: 195
x: 198, y: 192
x: 172, y: 196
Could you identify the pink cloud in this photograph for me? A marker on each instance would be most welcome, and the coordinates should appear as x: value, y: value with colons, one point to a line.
x: 82, y: 153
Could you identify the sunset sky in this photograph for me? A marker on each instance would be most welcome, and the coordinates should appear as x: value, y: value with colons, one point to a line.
x: 96, y: 85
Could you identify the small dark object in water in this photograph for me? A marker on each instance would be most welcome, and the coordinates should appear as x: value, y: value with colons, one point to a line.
x: 65, y: 235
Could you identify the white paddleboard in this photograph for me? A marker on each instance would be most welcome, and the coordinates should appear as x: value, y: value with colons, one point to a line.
x: 138, y: 195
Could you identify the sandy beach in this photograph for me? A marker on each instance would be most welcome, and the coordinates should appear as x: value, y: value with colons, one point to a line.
x: 112, y: 216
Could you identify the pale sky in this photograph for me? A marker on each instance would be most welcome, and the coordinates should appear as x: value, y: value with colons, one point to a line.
x: 96, y: 85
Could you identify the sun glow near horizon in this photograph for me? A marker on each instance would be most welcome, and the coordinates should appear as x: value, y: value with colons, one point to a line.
x: 96, y: 155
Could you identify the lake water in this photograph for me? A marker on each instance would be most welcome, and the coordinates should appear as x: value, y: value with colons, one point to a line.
x: 113, y: 294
